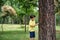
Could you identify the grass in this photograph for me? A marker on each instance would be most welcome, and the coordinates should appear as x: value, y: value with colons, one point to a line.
x: 57, y: 36
x: 57, y: 27
x: 58, y: 33
x: 14, y: 33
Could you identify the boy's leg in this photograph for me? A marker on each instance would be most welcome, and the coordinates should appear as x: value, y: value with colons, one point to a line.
x: 32, y: 38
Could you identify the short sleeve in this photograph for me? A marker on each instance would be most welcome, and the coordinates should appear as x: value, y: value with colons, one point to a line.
x: 32, y: 23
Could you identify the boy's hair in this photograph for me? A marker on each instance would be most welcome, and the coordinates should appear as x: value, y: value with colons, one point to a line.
x: 32, y: 16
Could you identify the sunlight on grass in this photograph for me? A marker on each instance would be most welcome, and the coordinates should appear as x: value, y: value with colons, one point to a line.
x: 13, y: 35
x: 17, y: 34
x: 57, y: 27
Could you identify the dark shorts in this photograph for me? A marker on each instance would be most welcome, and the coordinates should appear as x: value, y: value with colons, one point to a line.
x: 32, y: 34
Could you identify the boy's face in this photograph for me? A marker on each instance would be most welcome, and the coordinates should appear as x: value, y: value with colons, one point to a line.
x: 33, y: 18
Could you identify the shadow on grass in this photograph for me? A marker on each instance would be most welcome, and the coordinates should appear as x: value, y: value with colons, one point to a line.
x: 14, y: 35
x: 58, y: 36
x: 19, y: 35
x: 13, y: 32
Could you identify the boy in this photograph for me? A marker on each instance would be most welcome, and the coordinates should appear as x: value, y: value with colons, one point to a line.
x: 32, y: 25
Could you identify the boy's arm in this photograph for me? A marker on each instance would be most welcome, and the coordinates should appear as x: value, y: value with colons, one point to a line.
x: 32, y: 25
x: 37, y: 24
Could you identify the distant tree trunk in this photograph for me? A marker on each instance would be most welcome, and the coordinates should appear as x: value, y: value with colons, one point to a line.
x: 1, y: 3
x: 25, y: 19
x: 25, y: 23
x: 46, y: 20
x: 2, y: 24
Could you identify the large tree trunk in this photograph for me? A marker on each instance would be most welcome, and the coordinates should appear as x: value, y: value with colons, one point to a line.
x: 46, y: 20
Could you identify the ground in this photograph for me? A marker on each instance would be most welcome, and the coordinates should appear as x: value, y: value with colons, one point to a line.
x: 16, y: 32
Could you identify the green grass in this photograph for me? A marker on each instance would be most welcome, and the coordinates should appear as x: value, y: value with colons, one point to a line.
x: 19, y: 34
x: 57, y: 27
x: 14, y: 35
x: 58, y: 36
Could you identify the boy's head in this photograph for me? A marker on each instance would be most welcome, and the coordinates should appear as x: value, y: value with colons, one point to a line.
x: 32, y: 17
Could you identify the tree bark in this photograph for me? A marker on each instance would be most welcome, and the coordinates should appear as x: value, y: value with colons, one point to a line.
x: 46, y: 20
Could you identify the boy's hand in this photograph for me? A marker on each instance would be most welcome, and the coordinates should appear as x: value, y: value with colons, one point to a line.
x: 37, y: 24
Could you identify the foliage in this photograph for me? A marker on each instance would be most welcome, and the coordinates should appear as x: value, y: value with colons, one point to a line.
x: 22, y: 7
x: 58, y: 19
x: 57, y: 6
x: 28, y: 7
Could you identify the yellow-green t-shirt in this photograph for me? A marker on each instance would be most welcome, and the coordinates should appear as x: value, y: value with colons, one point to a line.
x: 30, y: 27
